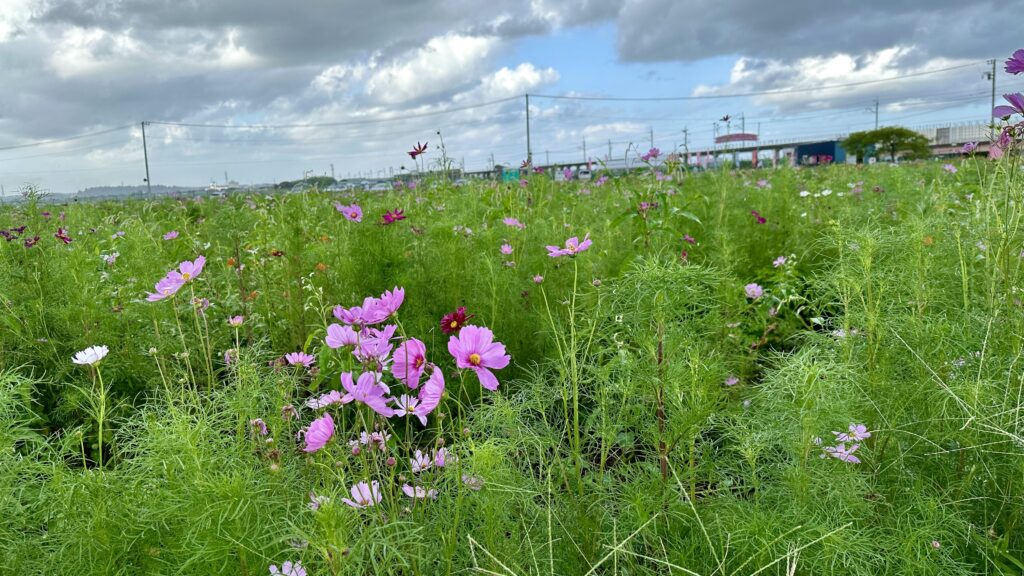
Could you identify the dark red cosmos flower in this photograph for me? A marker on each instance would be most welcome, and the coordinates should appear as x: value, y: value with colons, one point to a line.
x: 452, y: 322
x: 62, y: 235
x: 390, y: 217
x: 30, y: 242
x: 418, y: 149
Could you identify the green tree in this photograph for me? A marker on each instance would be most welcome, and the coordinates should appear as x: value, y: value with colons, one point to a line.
x: 892, y: 139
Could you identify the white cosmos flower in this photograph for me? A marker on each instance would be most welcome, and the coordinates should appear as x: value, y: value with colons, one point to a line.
x: 91, y: 356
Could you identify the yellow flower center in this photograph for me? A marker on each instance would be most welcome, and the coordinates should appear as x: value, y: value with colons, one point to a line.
x: 418, y: 362
x: 454, y: 324
x: 474, y: 359
x: 186, y: 276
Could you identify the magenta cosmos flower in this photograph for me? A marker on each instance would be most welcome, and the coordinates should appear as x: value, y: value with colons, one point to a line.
x: 573, y: 246
x: 392, y: 216
x: 319, y: 433
x: 353, y: 213
x: 367, y: 389
x: 1015, y: 63
x: 364, y: 495
x: 409, y: 362
x: 506, y: 249
x: 474, y: 348
x: 1016, y: 106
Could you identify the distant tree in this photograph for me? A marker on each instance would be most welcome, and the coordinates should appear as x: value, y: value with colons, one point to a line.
x: 892, y: 139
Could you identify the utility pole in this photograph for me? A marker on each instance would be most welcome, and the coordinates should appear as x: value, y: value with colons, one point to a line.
x: 876, y: 113
x: 529, y: 150
x: 743, y: 122
x: 609, y: 150
x: 547, y: 158
x: 652, y: 137
x: 992, y: 76
x: 584, y: 149
x: 145, y: 156
x: 332, y: 170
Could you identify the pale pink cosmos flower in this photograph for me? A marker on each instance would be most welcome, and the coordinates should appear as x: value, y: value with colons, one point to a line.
x: 299, y: 358
x: 405, y: 404
x: 236, y: 321
x: 844, y: 454
x: 442, y: 457
x: 319, y: 433
x: 474, y: 348
x: 419, y: 492
x: 288, y: 569
x: 753, y: 291
x: 430, y: 395
x: 573, y: 246
x: 506, y: 249
x: 409, y: 362
x: 780, y: 261
x: 339, y: 336
x: 514, y: 222
x: 537, y: 279
x: 855, y: 433
x: 167, y: 286
x: 171, y: 235
x: 420, y: 462
x: 364, y: 495
x: 324, y: 400
x: 190, y: 270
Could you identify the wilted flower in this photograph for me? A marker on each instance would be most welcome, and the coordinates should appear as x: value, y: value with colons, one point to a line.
x: 418, y: 149
x: 91, y: 356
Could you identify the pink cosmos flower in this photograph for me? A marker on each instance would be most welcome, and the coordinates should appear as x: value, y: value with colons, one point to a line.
x: 297, y: 358
x: 171, y: 235
x: 537, y: 279
x: 753, y: 291
x: 324, y: 400
x: 390, y: 217
x: 419, y: 492
x: 506, y: 249
x: 367, y: 389
x: 781, y: 260
x: 339, y: 336
x: 319, y: 433
x: 1016, y: 106
x: 1015, y: 63
x: 442, y: 457
x: 167, y: 286
x: 190, y: 270
x: 288, y: 569
x: 474, y: 348
x: 236, y: 321
x: 353, y: 213
x: 375, y: 347
x: 409, y: 362
x: 259, y: 426
x: 391, y: 300
x: 420, y: 462
x: 842, y: 453
x: 855, y: 433
x: 513, y: 222
x: 364, y: 495
x: 405, y: 404
x: 950, y: 168
x: 732, y: 380
x: 573, y: 246
x: 430, y: 395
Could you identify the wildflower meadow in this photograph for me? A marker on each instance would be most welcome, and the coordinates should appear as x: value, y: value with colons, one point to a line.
x: 731, y: 372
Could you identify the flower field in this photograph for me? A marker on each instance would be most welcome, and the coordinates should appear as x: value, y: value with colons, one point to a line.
x: 798, y: 371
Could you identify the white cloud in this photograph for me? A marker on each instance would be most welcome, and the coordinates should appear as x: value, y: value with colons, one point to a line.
x: 444, y: 63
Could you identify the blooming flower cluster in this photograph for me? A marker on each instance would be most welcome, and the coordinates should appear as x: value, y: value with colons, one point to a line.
x: 854, y: 435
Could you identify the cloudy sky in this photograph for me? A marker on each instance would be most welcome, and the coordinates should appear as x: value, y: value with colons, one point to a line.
x: 266, y: 90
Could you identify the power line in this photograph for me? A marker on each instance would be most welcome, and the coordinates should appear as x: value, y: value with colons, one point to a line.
x: 755, y: 93
x: 68, y: 139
